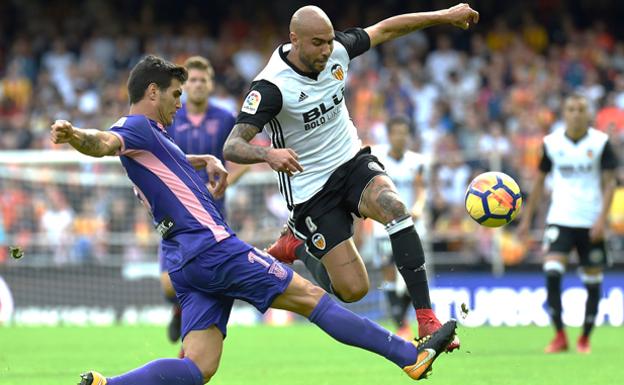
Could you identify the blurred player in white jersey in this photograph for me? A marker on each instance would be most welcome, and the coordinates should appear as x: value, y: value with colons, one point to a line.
x: 406, y: 169
x: 582, y: 163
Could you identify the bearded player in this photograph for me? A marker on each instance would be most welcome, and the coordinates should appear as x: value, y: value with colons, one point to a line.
x: 324, y: 173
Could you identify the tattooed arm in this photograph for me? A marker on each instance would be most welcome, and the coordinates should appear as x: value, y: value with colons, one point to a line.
x: 88, y: 141
x: 238, y: 149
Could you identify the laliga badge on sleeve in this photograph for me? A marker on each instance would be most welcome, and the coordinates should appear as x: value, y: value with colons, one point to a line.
x: 251, y: 103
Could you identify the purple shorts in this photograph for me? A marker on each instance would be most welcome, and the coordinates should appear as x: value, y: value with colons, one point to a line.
x: 232, y: 269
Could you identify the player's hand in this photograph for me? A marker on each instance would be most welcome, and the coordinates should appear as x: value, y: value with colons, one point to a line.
x: 284, y: 160
x: 217, y: 176
x: 462, y: 16
x: 596, y: 233
x: 61, y: 131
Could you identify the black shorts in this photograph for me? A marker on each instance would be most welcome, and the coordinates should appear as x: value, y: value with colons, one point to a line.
x: 562, y: 239
x: 326, y: 219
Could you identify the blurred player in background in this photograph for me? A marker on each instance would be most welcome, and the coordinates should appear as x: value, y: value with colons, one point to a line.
x: 198, y: 128
x: 208, y: 265
x: 324, y: 174
x: 583, y: 165
x: 406, y: 169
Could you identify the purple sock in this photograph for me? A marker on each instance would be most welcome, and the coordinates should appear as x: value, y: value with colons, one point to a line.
x: 351, y: 329
x: 166, y: 371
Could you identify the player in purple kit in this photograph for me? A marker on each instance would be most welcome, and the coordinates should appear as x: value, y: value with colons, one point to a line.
x: 198, y: 128
x: 208, y: 265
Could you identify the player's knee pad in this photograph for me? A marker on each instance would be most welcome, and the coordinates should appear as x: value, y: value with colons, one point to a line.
x: 554, y: 268
x: 589, y: 279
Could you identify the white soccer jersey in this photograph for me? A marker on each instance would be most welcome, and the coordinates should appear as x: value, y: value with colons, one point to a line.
x: 307, y: 113
x: 576, y: 176
x: 403, y: 173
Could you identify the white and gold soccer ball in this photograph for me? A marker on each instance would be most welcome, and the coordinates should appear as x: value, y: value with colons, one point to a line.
x: 493, y: 199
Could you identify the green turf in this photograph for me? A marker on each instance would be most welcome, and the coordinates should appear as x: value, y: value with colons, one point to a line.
x: 303, y: 355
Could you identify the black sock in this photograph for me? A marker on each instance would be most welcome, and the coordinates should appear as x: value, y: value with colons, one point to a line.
x: 409, y: 258
x: 396, y: 307
x: 591, y: 306
x: 553, y: 287
x: 316, y: 268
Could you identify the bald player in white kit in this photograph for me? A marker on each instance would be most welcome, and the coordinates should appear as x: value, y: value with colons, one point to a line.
x: 324, y: 173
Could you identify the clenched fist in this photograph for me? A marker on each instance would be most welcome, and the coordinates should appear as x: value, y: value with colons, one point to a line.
x: 61, y: 131
x: 462, y: 16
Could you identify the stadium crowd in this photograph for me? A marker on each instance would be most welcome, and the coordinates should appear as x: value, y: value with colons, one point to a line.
x: 478, y: 100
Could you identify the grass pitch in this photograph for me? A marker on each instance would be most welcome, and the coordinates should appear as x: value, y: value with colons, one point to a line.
x: 303, y: 355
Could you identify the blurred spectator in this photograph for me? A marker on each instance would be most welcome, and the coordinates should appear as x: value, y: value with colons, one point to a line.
x: 442, y: 61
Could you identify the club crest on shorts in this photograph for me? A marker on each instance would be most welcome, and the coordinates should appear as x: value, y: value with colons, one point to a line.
x: 375, y: 166
x: 251, y: 103
x: 318, y: 240
x: 337, y: 72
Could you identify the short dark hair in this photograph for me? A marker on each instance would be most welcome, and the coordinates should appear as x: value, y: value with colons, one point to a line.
x: 399, y: 120
x: 152, y: 69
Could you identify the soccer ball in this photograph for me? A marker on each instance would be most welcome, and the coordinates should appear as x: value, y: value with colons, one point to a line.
x: 493, y: 199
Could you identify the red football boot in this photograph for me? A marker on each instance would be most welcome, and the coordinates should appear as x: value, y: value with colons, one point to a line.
x: 284, y: 248
x: 558, y: 344
x: 428, y: 323
x: 582, y: 345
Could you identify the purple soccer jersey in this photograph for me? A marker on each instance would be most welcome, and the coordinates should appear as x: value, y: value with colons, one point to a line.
x: 208, y: 137
x: 183, y: 210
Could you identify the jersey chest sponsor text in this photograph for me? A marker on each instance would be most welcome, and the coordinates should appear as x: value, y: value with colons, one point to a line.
x: 572, y: 170
x: 325, y: 112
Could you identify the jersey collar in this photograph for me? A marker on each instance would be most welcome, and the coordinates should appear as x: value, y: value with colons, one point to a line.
x: 576, y: 141
x: 283, y: 54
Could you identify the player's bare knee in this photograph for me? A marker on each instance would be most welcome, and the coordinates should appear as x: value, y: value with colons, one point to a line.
x: 389, y: 206
x: 352, y: 292
x: 206, y: 364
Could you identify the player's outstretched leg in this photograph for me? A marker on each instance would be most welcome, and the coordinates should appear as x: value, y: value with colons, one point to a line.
x: 381, y: 202
x: 170, y: 371
x: 203, y: 349
x: 415, y: 359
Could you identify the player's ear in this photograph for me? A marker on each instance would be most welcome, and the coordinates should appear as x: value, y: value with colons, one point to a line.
x: 152, y: 91
x: 294, y: 40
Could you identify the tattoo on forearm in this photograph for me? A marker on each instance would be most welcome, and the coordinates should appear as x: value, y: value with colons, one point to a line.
x: 238, y: 149
x: 89, y: 144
